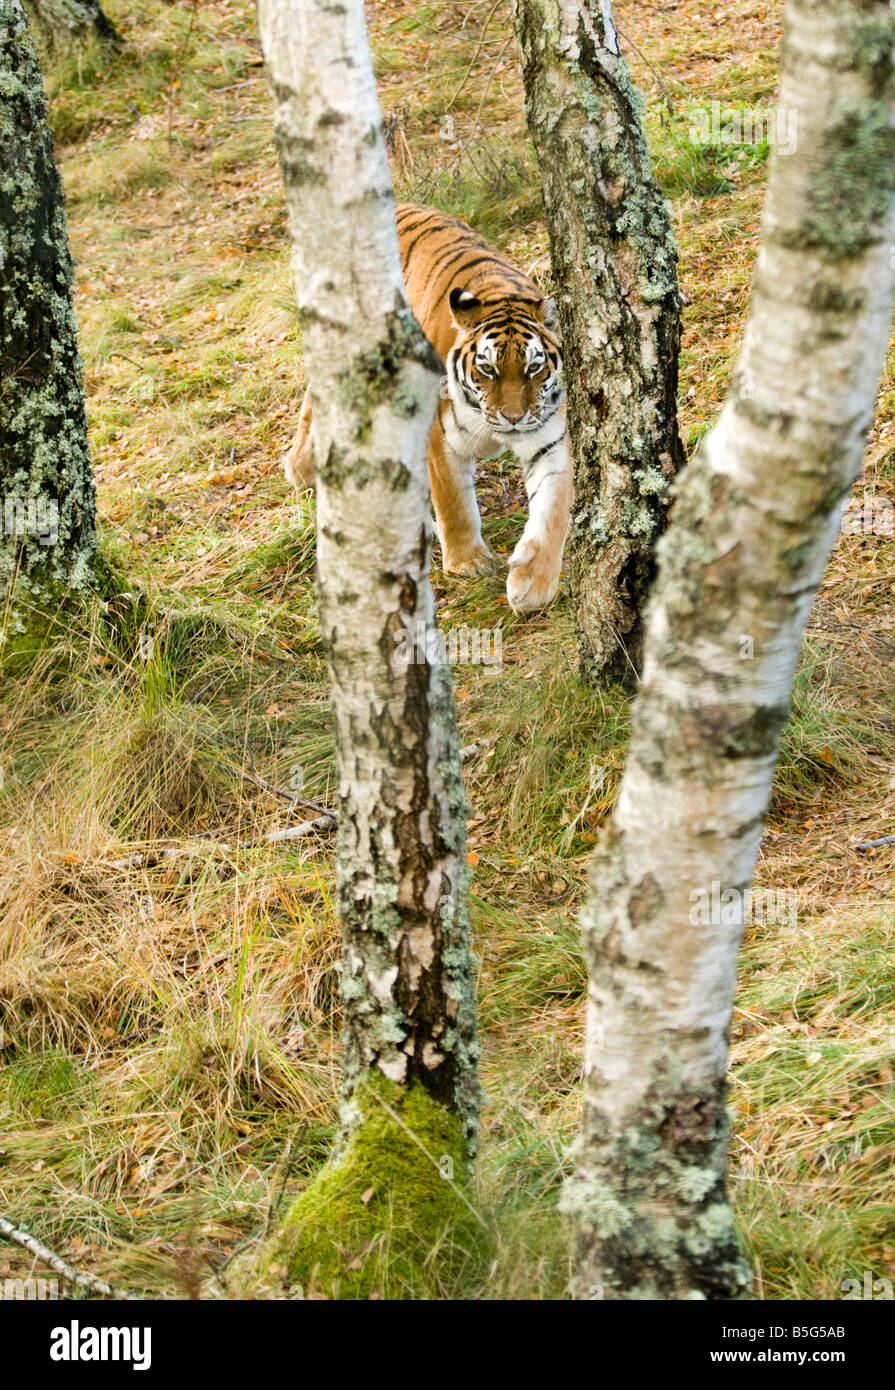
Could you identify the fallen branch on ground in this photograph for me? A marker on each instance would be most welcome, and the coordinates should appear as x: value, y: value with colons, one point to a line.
x: 49, y: 1257
x: 875, y: 844
x: 472, y: 750
x: 293, y: 832
x: 318, y: 826
x: 278, y: 791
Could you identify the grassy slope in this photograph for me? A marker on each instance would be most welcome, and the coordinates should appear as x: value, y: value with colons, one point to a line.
x: 170, y: 1023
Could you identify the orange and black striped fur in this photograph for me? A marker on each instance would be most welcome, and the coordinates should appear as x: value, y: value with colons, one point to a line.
x: 498, y: 337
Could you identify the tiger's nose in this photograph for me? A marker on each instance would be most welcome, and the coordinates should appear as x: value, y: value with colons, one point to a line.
x: 512, y: 419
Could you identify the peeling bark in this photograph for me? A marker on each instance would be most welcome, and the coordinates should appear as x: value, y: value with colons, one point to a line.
x: 47, y: 504
x: 615, y: 263
x: 755, y: 518
x: 406, y: 985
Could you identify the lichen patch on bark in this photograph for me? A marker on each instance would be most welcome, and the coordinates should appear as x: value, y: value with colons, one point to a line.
x: 44, y: 455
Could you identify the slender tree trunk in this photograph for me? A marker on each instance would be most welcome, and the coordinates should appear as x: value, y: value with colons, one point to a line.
x: 407, y: 987
x: 62, y: 24
x: 615, y: 265
x: 755, y: 518
x: 47, y: 537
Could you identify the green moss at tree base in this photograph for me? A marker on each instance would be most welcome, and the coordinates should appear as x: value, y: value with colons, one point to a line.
x: 26, y: 630
x: 28, y: 626
x: 392, y: 1215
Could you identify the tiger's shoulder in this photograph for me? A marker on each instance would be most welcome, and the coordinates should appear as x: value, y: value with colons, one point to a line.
x: 440, y: 253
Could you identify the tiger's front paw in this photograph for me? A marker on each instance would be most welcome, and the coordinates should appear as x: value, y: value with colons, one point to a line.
x: 476, y: 559
x: 534, y: 577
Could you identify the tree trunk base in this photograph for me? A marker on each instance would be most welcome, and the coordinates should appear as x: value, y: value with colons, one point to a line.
x: 62, y: 25
x: 391, y: 1215
x: 666, y: 1232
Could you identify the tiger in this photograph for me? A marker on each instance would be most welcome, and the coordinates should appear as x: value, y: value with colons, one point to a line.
x: 499, y: 339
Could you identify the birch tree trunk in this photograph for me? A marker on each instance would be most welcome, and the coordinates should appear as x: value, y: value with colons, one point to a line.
x: 47, y: 508
x: 62, y: 24
x: 407, y: 988
x: 755, y: 518
x: 615, y: 265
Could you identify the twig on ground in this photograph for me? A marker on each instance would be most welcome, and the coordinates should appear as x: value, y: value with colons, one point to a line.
x: 139, y: 365
x: 830, y: 625
x: 279, y: 791
x: 472, y: 750
x: 318, y: 825
x: 150, y: 860
x: 49, y: 1257
x: 875, y: 844
x: 290, y: 1162
x: 293, y: 832
x: 235, y: 85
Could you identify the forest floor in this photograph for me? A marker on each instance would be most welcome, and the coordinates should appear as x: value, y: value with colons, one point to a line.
x: 168, y: 990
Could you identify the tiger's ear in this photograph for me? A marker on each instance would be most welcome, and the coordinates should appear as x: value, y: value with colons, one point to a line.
x: 464, y: 307
x: 549, y: 312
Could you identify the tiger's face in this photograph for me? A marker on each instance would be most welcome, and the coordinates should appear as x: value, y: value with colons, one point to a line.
x: 508, y: 359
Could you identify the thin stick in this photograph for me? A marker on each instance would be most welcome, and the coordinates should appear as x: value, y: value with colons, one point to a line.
x: 472, y: 750
x: 669, y: 100
x: 133, y: 361
x: 293, y: 832
x: 278, y: 791
x: 290, y: 1162
x: 437, y: 174
x: 478, y: 48
x: 875, y: 844
x: 318, y: 826
x: 497, y: 62
x: 178, y: 67
x: 470, y: 12
x: 48, y: 1257
x: 830, y: 625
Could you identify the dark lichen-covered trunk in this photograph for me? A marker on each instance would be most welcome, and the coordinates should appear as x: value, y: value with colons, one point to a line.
x: 411, y: 1097
x: 63, y: 24
x: 615, y: 266
x: 47, y: 538
x: 756, y: 514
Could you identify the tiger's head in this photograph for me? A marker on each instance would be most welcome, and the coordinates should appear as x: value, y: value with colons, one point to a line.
x: 508, y: 359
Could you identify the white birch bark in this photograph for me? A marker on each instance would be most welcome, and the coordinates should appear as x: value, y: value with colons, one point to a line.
x: 755, y: 518
x: 402, y: 870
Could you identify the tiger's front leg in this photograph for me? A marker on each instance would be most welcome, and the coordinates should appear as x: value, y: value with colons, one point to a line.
x: 298, y: 464
x: 536, y: 562
x: 452, y: 478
